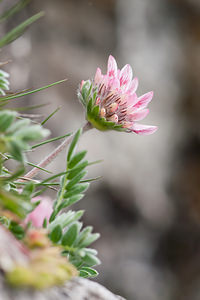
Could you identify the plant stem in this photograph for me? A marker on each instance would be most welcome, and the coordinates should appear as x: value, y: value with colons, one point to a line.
x: 49, y: 158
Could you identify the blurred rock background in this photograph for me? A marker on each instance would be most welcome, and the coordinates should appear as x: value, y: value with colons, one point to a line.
x: 147, y: 206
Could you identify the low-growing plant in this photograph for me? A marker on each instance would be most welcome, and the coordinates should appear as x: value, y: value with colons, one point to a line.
x: 52, y: 228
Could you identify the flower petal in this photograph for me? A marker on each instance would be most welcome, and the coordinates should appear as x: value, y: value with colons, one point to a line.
x: 143, y: 129
x: 144, y: 100
x: 98, y: 76
x: 125, y: 77
x: 42, y: 211
x: 131, y: 100
x: 138, y: 115
x: 112, y: 67
x: 133, y: 86
x: 114, y: 84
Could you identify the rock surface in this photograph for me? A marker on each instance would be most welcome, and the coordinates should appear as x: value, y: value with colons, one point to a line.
x: 76, y: 289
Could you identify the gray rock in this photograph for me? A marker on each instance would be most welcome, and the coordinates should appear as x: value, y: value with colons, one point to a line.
x: 76, y: 289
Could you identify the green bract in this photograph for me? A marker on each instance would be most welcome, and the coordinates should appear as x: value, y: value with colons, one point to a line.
x: 87, y: 96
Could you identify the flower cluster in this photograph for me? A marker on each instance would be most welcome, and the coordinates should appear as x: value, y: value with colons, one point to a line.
x: 112, y: 102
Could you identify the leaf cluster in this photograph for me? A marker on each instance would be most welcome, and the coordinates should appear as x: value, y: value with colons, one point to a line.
x: 71, y: 188
x: 65, y: 229
x: 16, y: 134
x: 15, y: 204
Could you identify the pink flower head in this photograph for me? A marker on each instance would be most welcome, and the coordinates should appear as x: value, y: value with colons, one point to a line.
x: 112, y: 102
x: 42, y: 211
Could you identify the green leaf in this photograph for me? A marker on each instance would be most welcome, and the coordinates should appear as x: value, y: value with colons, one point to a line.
x: 77, y: 189
x: 75, y: 180
x: 91, y: 179
x: 84, y: 274
x: 51, y: 178
x: 83, y: 235
x: 91, y: 238
x: 89, y: 107
x: 31, y: 133
x: 94, y: 97
x: 15, y: 175
x: 53, y: 113
x: 39, y: 192
x: 18, y: 125
x: 66, y: 219
x: 18, y: 95
x: 17, y: 230
x: 95, y: 162
x: 6, y: 119
x: 85, y: 92
x: 70, y: 236
x: 70, y: 201
x: 35, y: 166
x: 50, y: 140
x: 90, y: 271
x: 73, y: 144
x: 76, y: 159
x: 74, y: 199
x: 28, y: 190
x: 74, y: 172
x: 53, y: 216
x: 91, y: 260
x: 95, y: 112
x: 19, y: 30
x: 15, y: 150
x: 13, y: 10
x: 56, y: 234
x: 15, y: 203
x: 90, y: 251
x: 44, y: 225
x: 76, y: 262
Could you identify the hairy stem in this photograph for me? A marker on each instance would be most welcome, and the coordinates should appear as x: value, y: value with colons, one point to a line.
x: 49, y: 158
